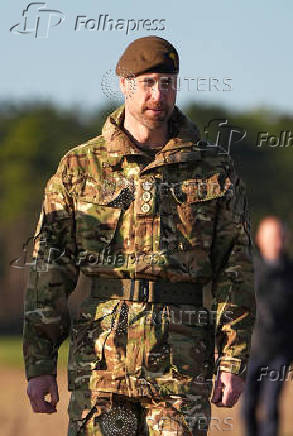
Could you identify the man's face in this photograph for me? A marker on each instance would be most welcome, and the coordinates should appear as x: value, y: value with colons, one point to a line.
x: 150, y: 98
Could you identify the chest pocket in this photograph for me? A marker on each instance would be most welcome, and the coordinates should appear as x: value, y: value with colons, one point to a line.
x: 97, y: 223
x: 100, y: 207
x: 195, y: 202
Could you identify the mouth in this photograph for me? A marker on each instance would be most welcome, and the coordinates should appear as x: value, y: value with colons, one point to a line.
x: 157, y: 111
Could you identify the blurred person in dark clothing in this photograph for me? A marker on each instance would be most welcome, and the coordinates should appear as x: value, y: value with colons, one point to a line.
x: 272, y: 344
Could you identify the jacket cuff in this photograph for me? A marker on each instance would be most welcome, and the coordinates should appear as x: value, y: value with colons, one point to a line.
x: 232, y: 365
x: 44, y: 367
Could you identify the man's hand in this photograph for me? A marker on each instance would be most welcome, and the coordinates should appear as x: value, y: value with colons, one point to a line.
x: 38, y: 388
x: 232, y: 386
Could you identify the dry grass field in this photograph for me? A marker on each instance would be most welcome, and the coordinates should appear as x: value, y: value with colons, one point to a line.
x: 17, y: 418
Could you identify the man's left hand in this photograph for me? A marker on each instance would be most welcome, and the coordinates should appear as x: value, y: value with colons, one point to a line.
x: 227, y: 390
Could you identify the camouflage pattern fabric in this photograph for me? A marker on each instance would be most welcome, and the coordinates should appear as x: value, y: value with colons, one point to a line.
x: 117, y: 415
x: 113, y: 211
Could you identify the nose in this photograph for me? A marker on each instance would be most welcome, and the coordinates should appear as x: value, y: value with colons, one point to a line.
x: 157, y: 92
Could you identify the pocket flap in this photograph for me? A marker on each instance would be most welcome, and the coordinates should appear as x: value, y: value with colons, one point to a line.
x: 120, y: 200
x: 204, y: 189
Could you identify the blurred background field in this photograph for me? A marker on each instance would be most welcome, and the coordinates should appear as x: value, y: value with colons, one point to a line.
x: 11, y: 353
x: 16, y: 415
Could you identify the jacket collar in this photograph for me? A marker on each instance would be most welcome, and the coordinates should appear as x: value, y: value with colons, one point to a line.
x: 183, y: 134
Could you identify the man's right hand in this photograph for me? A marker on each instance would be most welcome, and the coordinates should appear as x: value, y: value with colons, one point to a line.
x: 38, y: 388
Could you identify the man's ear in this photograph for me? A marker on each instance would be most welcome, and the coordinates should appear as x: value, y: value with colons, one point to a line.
x: 122, y: 84
x: 127, y: 86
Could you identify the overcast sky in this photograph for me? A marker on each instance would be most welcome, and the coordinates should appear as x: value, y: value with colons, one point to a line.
x: 231, y: 52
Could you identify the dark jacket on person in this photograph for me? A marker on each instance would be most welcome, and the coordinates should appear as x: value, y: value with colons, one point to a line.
x: 273, y: 331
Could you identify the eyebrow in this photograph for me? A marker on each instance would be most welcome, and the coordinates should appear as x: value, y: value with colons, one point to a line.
x: 154, y: 78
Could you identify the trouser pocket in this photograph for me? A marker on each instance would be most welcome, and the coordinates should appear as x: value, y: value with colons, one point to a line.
x: 104, y: 415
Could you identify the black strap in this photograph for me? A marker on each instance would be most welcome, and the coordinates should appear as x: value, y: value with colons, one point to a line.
x: 144, y: 290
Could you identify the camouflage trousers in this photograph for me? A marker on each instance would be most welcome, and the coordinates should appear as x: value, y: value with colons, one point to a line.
x: 119, y: 415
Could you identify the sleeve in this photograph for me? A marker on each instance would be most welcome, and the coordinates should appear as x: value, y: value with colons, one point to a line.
x: 52, y: 277
x: 233, y: 281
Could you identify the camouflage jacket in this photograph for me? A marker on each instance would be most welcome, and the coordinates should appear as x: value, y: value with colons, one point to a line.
x: 114, y: 212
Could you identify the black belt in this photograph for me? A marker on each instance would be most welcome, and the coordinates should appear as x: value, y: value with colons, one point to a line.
x: 144, y: 290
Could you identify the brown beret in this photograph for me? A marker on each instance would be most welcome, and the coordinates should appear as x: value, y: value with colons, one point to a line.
x: 150, y: 54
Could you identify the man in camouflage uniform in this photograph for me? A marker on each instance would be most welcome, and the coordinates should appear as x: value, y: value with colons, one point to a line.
x: 154, y: 219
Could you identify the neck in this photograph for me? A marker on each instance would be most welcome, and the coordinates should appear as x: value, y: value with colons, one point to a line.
x: 144, y: 136
x: 270, y: 255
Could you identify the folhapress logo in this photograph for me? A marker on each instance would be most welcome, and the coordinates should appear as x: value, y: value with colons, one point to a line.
x: 38, y: 20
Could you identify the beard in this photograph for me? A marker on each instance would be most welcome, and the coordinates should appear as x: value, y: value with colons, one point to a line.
x: 154, y: 116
